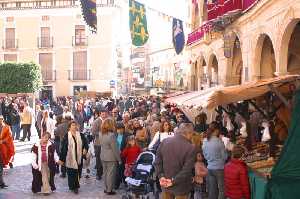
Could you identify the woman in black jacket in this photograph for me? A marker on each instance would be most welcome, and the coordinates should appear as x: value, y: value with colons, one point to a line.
x: 74, y: 149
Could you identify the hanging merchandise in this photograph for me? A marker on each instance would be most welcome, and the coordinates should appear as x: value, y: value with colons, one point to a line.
x: 89, y: 12
x: 243, y: 130
x: 266, y: 132
x: 178, y: 35
x: 138, y: 23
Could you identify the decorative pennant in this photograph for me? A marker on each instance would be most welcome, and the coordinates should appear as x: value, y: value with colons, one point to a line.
x: 89, y: 12
x: 178, y: 35
x: 138, y: 23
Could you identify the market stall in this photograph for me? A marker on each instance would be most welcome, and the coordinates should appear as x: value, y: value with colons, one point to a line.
x: 264, y: 107
x: 272, y: 99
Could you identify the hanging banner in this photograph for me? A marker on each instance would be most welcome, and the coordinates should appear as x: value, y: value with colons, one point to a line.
x: 138, y: 23
x: 178, y: 35
x: 89, y: 12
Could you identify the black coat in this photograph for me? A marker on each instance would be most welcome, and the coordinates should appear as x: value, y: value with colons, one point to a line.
x: 65, y: 145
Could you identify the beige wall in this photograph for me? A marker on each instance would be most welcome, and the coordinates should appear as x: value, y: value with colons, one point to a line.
x: 100, y: 49
x: 275, y: 19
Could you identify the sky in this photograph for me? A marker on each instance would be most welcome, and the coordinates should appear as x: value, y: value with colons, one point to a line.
x: 172, y: 7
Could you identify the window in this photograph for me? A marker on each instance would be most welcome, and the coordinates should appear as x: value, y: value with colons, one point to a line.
x: 78, y: 89
x: 45, y: 40
x: 46, y: 62
x: 80, y: 65
x: 10, y: 57
x: 80, y: 38
x: 10, y: 41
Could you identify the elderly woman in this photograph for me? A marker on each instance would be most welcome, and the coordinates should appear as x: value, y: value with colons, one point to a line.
x: 110, y: 155
x: 74, y: 148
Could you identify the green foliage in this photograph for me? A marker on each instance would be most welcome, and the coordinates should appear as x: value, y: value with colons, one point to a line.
x: 20, y: 77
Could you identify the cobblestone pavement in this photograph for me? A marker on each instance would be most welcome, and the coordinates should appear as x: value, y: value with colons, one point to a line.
x: 20, y: 177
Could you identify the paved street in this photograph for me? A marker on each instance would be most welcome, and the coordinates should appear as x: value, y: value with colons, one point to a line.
x: 19, y: 180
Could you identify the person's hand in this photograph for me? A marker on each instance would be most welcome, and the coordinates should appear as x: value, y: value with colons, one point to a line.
x: 84, y: 152
x: 60, y: 162
x: 35, y: 166
x: 162, y: 181
x: 169, y: 183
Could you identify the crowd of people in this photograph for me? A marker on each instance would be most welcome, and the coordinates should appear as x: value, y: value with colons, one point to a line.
x: 191, y: 159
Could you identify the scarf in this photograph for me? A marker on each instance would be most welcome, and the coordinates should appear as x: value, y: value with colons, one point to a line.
x: 71, y: 156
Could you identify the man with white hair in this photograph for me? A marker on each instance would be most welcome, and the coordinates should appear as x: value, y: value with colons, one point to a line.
x: 174, y: 163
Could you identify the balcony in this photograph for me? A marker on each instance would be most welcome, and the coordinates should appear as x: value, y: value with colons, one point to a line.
x: 48, y: 75
x: 228, y: 8
x: 79, y: 75
x: 79, y: 41
x: 10, y: 44
x: 45, y: 42
x: 199, y: 33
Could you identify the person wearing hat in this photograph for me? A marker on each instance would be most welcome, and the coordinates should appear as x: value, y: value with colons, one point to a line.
x: 7, y: 149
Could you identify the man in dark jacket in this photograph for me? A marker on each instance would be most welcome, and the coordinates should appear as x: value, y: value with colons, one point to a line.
x: 60, y: 131
x: 95, y: 130
x: 174, y: 163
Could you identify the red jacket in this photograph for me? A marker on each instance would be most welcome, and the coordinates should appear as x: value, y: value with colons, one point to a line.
x: 236, y: 180
x: 130, y: 154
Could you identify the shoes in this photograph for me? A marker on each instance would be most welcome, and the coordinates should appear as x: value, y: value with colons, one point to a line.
x: 105, y: 191
x: 87, y: 176
x: 3, y: 186
x: 98, y: 178
x: 11, y: 165
x: 22, y: 140
x: 111, y: 193
x: 63, y: 175
x: 76, y: 191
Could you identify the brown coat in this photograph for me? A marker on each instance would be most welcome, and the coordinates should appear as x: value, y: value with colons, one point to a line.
x: 175, y: 160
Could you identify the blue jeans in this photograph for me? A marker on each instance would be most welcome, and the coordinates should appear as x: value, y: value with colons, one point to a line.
x: 216, y: 184
x: 16, y: 129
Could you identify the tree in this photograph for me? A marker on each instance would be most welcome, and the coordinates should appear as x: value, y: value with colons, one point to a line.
x: 20, y: 77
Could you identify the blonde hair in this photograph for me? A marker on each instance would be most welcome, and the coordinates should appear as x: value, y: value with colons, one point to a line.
x: 107, y: 126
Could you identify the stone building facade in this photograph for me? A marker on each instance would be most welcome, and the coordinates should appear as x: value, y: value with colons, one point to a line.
x: 259, y: 42
x: 52, y: 33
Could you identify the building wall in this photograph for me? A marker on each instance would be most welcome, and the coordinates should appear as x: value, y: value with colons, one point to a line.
x: 62, y: 21
x: 274, y: 19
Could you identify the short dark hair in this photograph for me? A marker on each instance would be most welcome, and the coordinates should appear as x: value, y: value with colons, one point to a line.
x: 120, y: 125
x: 237, y: 152
x: 70, y: 123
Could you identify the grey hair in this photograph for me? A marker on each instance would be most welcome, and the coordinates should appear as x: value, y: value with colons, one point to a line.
x: 185, y: 128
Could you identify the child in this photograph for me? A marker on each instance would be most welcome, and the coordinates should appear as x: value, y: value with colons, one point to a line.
x: 44, y: 158
x: 200, y: 172
x: 87, y: 160
x: 236, y: 180
x: 130, y: 155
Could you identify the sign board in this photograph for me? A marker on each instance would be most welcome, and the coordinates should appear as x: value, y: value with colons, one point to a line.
x: 112, y: 83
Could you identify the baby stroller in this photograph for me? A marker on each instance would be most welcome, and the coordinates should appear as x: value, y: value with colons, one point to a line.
x: 141, y: 184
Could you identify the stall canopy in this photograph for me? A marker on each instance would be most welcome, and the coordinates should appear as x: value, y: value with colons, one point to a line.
x: 246, y: 91
x: 181, y: 100
x: 285, y: 180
